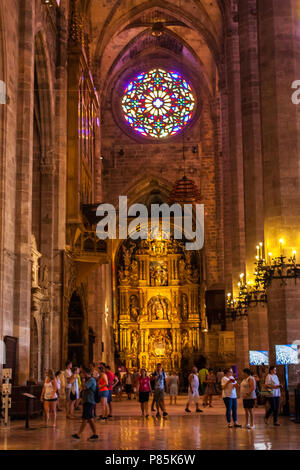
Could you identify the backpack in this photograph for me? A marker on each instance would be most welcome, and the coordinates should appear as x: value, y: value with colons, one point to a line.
x: 97, y: 395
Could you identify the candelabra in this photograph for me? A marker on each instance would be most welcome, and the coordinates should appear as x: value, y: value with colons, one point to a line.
x: 274, y: 268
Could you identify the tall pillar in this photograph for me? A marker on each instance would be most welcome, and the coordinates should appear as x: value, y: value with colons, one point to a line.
x: 24, y: 155
x: 232, y: 143
x: 279, y: 60
x: 252, y: 158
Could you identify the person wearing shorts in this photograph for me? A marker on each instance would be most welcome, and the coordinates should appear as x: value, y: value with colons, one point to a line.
x: 248, y: 395
x: 112, y: 382
x: 193, y: 391
x: 89, y: 385
x: 144, y: 389
x: 49, y: 396
x: 104, y: 392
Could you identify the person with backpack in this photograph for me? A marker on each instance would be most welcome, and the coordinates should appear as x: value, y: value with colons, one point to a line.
x: 89, y: 392
x: 248, y: 395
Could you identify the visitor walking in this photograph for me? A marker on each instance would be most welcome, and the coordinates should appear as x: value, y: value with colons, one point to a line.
x: 68, y: 385
x: 220, y: 375
x: 248, y: 396
x: 112, y: 382
x: 49, y: 397
x: 210, y: 388
x: 58, y: 376
x: 273, y: 384
x: 229, y: 386
x: 144, y: 390
x: 88, y: 403
x: 128, y: 384
x: 159, y: 391
x: 172, y: 385
x: 193, y: 391
x: 203, y: 372
x: 104, y: 393
x: 74, y: 393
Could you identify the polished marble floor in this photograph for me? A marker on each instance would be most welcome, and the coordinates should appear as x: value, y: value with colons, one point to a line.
x: 127, y: 430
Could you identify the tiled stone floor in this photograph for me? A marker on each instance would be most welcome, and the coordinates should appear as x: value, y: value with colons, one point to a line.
x: 129, y: 431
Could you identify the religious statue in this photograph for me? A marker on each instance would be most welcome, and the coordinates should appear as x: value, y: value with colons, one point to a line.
x: 134, y: 308
x: 184, y: 340
x: 181, y: 270
x: 134, y: 274
x: 159, y: 274
x: 158, y: 308
x: 134, y: 341
x: 123, y: 275
x: 127, y: 253
x: 184, y: 307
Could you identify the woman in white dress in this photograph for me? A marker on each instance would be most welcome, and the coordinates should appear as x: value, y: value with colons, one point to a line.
x: 49, y: 396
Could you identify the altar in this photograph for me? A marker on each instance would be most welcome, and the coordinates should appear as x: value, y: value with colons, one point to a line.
x: 161, y: 312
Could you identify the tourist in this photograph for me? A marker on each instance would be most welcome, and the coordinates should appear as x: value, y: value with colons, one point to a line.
x: 144, y: 390
x: 159, y: 390
x: 78, y: 401
x: 49, y: 396
x: 94, y: 370
x: 128, y: 384
x: 173, y: 384
x: 248, y: 395
x: 193, y: 391
x: 135, y: 379
x: 229, y: 386
x: 58, y: 376
x: 68, y: 375
x: 220, y: 375
x: 89, y: 385
x: 118, y: 387
x: 203, y: 372
x: 210, y: 388
x: 112, y: 382
x: 104, y: 393
x: 272, y: 382
x: 74, y: 393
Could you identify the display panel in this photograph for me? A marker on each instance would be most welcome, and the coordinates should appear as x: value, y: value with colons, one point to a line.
x: 286, y: 354
x: 257, y: 358
x: 158, y: 103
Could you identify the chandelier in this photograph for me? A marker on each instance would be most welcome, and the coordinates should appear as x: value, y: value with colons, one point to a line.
x: 266, y: 270
x: 184, y: 191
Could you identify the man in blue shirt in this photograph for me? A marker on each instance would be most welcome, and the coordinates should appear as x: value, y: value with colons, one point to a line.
x: 89, y: 385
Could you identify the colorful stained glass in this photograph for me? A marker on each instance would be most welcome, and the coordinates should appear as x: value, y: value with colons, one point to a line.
x: 158, y: 103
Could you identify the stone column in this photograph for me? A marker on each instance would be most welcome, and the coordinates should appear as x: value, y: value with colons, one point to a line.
x: 233, y: 183
x: 279, y: 63
x: 252, y: 153
x: 24, y: 155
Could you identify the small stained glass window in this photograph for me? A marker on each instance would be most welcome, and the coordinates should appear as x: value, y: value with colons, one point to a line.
x: 158, y: 103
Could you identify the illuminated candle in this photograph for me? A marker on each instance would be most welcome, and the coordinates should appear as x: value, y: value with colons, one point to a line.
x: 257, y: 252
x: 242, y: 278
x: 281, y: 242
x: 261, y: 250
x: 294, y: 255
x: 270, y: 258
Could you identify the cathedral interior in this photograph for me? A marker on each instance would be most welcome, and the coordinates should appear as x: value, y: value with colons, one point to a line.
x: 183, y: 100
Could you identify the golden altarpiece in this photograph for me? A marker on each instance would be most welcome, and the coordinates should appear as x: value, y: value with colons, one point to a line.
x: 160, y: 304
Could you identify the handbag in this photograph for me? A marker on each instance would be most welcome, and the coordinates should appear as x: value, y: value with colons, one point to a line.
x: 266, y: 393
